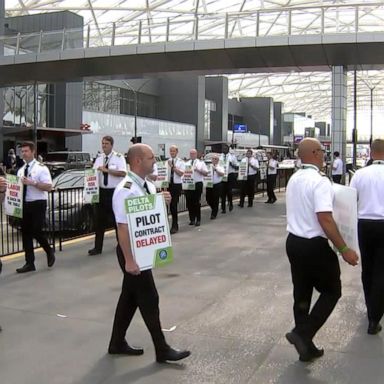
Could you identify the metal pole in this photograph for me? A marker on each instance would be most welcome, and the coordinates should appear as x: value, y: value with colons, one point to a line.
x: 135, y: 110
x: 35, y: 117
x: 354, y: 131
x: 371, y: 137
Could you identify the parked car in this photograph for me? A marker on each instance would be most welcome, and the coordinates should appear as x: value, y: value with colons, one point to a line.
x: 60, y: 161
x: 66, y: 211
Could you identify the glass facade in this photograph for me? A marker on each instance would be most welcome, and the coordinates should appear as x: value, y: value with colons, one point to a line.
x: 210, y: 107
x: 106, y: 98
x: 19, y: 106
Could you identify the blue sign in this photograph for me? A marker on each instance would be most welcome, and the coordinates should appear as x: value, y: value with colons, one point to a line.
x: 240, y: 128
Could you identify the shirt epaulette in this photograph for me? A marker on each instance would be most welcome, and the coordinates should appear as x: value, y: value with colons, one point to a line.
x: 128, y: 185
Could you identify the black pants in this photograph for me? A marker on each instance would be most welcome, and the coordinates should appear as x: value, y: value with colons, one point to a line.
x: 175, y: 191
x: 337, y: 178
x: 313, y: 265
x: 226, y: 192
x: 32, y: 228
x: 104, y: 217
x: 271, y: 183
x: 371, y: 244
x: 213, y: 198
x: 247, y: 188
x: 193, y: 202
x: 138, y: 291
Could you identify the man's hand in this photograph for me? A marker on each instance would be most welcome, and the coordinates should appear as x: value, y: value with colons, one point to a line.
x: 103, y: 169
x: 3, y: 184
x: 132, y: 268
x: 350, y: 256
x: 27, y: 181
x: 167, y: 197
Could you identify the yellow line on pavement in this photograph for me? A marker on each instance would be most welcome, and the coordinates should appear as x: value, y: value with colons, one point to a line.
x: 17, y: 255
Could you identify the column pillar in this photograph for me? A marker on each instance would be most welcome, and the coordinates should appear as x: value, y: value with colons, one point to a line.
x: 2, y: 22
x: 339, y: 110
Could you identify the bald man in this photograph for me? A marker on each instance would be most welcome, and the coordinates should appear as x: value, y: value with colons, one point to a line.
x: 314, y: 265
x: 369, y: 183
x: 139, y: 289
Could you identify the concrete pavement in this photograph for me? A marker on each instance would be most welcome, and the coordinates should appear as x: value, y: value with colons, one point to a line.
x: 227, y: 298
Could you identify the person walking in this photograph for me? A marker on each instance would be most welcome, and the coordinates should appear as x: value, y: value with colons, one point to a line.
x: 230, y: 162
x: 37, y: 183
x: 213, y: 194
x: 337, y: 168
x: 138, y: 288
x: 369, y: 183
x: 176, y: 166
x: 271, y: 178
x: 248, y: 185
x: 112, y: 168
x: 314, y: 265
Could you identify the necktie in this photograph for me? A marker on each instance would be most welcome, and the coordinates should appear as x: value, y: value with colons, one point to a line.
x: 146, y: 187
x: 172, y: 170
x: 248, y: 167
x: 105, y: 174
x: 25, y: 187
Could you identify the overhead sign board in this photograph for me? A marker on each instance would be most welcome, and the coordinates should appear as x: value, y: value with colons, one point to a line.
x: 240, y: 128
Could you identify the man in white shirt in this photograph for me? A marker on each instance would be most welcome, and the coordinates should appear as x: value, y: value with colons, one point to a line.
x: 176, y: 171
x: 314, y: 264
x: 369, y: 183
x: 232, y: 165
x: 248, y: 186
x: 337, y: 168
x: 271, y: 178
x: 193, y: 196
x: 37, y: 183
x: 138, y: 288
x: 213, y: 194
x: 112, y: 168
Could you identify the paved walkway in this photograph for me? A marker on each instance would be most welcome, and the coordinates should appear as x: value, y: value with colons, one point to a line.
x: 227, y: 298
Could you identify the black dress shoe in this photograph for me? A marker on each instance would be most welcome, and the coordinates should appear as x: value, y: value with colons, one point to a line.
x: 314, y: 351
x: 250, y: 205
x: 171, y: 355
x: 26, y: 268
x: 230, y: 208
x: 301, y: 346
x: 93, y: 252
x: 223, y: 211
x: 213, y: 217
x: 197, y: 224
x: 374, y: 328
x: 191, y: 223
x: 125, y: 349
x: 173, y: 230
x: 241, y: 205
x: 51, y: 259
x: 268, y: 202
x: 273, y: 201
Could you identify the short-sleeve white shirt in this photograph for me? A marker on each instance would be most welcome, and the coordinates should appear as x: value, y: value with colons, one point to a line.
x: 216, y: 178
x: 308, y: 193
x: 37, y: 172
x: 128, y: 187
x: 272, y: 163
x: 198, y: 165
x: 116, y: 162
x: 252, y: 161
x: 338, y: 164
x: 230, y: 159
x: 179, y: 164
x: 369, y: 183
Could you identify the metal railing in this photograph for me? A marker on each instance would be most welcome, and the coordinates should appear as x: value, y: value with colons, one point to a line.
x: 295, y: 21
x: 67, y: 216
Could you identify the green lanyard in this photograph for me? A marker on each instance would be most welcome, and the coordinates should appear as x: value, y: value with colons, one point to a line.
x: 137, y: 181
